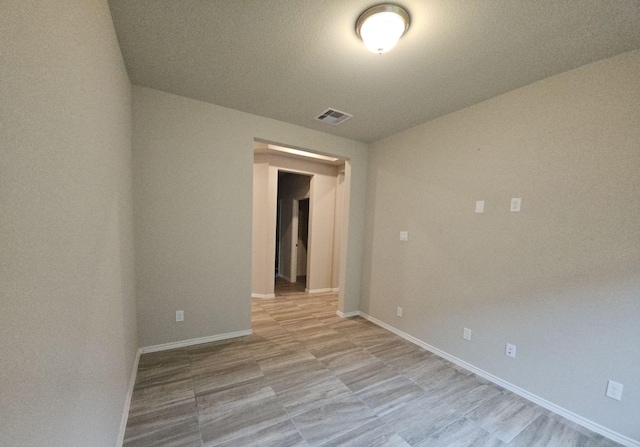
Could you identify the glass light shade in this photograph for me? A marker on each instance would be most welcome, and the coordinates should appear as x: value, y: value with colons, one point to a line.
x: 381, y: 26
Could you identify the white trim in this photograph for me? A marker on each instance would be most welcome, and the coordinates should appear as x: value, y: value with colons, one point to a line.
x: 260, y: 295
x: 194, y: 341
x: 326, y: 290
x: 347, y: 314
x: 163, y: 347
x: 127, y: 402
x: 593, y: 426
x: 295, y: 216
x: 335, y: 289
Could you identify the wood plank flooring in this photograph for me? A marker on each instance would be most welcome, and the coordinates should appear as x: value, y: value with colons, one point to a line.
x: 282, y: 287
x: 307, y: 377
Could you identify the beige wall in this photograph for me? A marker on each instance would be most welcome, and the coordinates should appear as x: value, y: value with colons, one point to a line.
x: 322, y: 191
x: 560, y: 279
x: 265, y: 187
x: 337, y: 231
x: 193, y: 176
x: 68, y: 325
x: 321, y: 232
x: 261, y: 277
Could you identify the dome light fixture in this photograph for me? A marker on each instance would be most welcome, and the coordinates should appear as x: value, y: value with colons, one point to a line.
x: 381, y: 26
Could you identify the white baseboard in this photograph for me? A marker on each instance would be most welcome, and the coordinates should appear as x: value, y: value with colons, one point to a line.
x: 164, y: 347
x: 347, y: 314
x: 194, y: 341
x: 260, y: 295
x: 593, y: 426
x: 327, y: 290
x: 127, y: 402
x: 335, y: 289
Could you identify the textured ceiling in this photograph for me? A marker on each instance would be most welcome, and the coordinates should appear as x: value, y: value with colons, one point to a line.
x: 291, y: 59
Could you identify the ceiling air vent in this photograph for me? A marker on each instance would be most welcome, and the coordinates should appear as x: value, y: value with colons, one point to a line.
x: 332, y: 116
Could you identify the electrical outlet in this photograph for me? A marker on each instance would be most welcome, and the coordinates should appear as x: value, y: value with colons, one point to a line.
x: 399, y: 311
x: 614, y: 390
x: 479, y: 206
x: 515, y: 205
x: 466, y: 334
x: 510, y: 351
x: 179, y: 315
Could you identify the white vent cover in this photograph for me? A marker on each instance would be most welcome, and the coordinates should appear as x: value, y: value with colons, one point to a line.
x: 333, y: 116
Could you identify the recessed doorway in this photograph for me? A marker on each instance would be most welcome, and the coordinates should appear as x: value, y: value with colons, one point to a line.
x: 300, y: 210
x: 292, y: 233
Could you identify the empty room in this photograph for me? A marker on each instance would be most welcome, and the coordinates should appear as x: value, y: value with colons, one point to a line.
x: 320, y: 223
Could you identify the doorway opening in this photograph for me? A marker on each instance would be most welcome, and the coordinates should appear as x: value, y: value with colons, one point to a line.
x: 300, y: 215
x: 292, y: 233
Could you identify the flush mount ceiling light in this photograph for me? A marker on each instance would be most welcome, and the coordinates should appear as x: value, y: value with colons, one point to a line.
x: 381, y: 26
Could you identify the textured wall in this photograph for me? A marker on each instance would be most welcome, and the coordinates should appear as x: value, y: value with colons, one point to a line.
x: 193, y: 175
x: 560, y: 279
x: 68, y: 325
x: 321, y: 232
x: 261, y: 280
x: 339, y: 218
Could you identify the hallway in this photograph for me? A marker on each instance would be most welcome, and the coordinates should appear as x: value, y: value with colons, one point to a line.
x: 286, y: 288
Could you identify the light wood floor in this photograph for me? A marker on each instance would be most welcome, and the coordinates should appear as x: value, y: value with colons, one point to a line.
x: 309, y: 378
x: 285, y: 288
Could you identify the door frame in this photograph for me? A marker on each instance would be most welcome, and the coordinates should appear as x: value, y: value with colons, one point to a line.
x: 295, y: 212
x: 295, y: 223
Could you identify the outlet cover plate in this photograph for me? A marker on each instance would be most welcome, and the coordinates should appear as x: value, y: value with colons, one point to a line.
x: 399, y: 311
x: 179, y: 315
x: 614, y: 390
x: 510, y: 351
x: 466, y: 334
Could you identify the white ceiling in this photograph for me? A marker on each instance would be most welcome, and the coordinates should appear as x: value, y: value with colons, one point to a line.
x: 291, y: 59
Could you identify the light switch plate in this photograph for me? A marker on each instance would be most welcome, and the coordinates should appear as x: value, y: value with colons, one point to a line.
x: 179, y: 315
x: 515, y: 205
x: 399, y: 311
x: 614, y: 390
x: 466, y: 334
x: 404, y: 235
x: 479, y: 206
